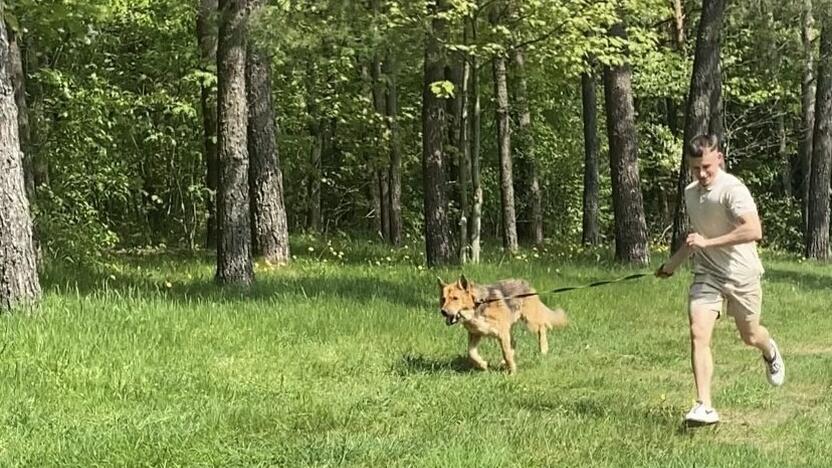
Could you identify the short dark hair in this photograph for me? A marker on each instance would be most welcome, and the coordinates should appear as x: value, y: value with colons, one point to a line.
x: 699, y: 144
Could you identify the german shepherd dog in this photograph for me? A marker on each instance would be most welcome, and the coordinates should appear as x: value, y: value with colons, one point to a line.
x: 491, y: 310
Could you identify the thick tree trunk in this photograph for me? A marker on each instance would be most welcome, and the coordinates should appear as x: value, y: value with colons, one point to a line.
x: 234, y: 262
x: 437, y: 232
x: 206, y: 31
x: 630, y: 225
x: 270, y: 231
x: 699, y: 113
x: 19, y: 283
x: 590, y: 234
x: 19, y: 84
x: 395, y: 176
x: 817, y: 235
x: 807, y: 117
x: 524, y: 143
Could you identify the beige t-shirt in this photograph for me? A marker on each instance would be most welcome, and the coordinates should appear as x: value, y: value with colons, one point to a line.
x: 713, y: 212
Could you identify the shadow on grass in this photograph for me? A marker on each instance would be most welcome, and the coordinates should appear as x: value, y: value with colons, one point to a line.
x: 132, y: 283
x: 412, y: 364
x: 799, y: 278
x: 597, y: 408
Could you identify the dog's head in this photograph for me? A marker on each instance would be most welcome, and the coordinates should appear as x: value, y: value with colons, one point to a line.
x: 456, y: 300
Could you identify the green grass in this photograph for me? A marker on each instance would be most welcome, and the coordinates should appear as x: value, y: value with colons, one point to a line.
x: 348, y: 363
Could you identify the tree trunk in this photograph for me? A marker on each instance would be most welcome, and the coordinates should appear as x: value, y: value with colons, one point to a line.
x: 234, y: 262
x: 270, y: 231
x: 590, y: 234
x: 19, y: 85
x: 630, y: 225
x: 524, y: 143
x: 679, y: 25
x: 395, y: 176
x: 206, y: 32
x: 475, y: 224
x: 807, y: 117
x: 381, y: 196
x: 504, y: 151
x: 437, y: 231
x: 785, y: 164
x: 817, y: 238
x: 19, y: 283
x: 314, y: 212
x: 698, y: 116
x: 465, y: 150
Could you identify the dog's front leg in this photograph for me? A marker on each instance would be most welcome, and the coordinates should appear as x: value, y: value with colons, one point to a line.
x: 508, y: 351
x: 473, y: 353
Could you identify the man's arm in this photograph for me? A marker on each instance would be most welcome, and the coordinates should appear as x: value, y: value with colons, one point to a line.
x: 748, y: 229
x: 667, y: 268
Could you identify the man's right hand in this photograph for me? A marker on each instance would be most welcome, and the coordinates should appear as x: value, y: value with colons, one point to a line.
x: 661, y: 272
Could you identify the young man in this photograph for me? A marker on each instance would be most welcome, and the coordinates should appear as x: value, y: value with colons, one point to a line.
x: 725, y: 229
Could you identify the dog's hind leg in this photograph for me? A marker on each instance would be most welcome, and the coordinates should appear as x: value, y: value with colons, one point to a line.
x: 473, y: 353
x: 543, y: 339
x: 508, y: 351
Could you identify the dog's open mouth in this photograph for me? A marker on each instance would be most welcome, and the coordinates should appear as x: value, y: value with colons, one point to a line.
x: 450, y: 319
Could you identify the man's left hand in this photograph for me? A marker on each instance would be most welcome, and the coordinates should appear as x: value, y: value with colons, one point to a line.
x: 696, y: 241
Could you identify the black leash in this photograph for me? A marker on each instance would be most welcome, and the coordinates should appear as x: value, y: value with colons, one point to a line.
x: 571, y: 288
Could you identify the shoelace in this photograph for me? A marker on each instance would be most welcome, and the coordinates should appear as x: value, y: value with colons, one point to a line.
x: 773, y: 366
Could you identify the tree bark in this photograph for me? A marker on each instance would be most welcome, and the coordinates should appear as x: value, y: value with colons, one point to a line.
x: 475, y: 224
x: 381, y: 196
x: 206, y: 31
x: 270, y: 230
x: 395, y: 176
x: 19, y: 85
x: 590, y: 234
x: 234, y: 262
x: 807, y: 117
x: 504, y: 151
x: 524, y: 143
x: 437, y: 233
x: 19, y: 284
x: 785, y: 164
x: 630, y: 225
x: 465, y: 150
x: 817, y: 235
x: 699, y: 113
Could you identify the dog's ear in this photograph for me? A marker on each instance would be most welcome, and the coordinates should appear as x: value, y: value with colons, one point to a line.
x: 463, y: 282
x: 440, y: 282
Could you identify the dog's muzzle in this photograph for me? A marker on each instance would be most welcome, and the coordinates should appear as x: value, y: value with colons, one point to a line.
x: 450, y: 318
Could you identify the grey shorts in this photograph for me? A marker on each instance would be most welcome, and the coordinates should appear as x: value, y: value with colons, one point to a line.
x: 741, y: 301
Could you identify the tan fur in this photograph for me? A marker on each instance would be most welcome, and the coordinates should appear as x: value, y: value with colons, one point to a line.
x: 490, y: 310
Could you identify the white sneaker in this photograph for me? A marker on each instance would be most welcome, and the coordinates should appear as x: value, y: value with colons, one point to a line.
x: 701, y: 414
x: 775, y: 369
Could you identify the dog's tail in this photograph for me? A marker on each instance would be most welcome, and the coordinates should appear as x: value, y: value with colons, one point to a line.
x: 556, y: 318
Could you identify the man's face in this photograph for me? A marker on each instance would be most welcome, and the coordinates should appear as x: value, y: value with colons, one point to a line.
x: 705, y: 169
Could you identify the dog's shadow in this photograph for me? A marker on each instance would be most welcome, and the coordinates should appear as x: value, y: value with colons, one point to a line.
x: 412, y: 364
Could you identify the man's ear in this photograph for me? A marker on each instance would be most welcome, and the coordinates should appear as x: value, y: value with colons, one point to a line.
x: 463, y: 282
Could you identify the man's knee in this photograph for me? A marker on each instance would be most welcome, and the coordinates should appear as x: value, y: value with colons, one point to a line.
x: 701, y: 327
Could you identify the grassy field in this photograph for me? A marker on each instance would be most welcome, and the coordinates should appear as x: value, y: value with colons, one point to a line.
x: 348, y: 363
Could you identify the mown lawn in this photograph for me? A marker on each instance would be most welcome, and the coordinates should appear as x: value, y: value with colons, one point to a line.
x: 348, y: 363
